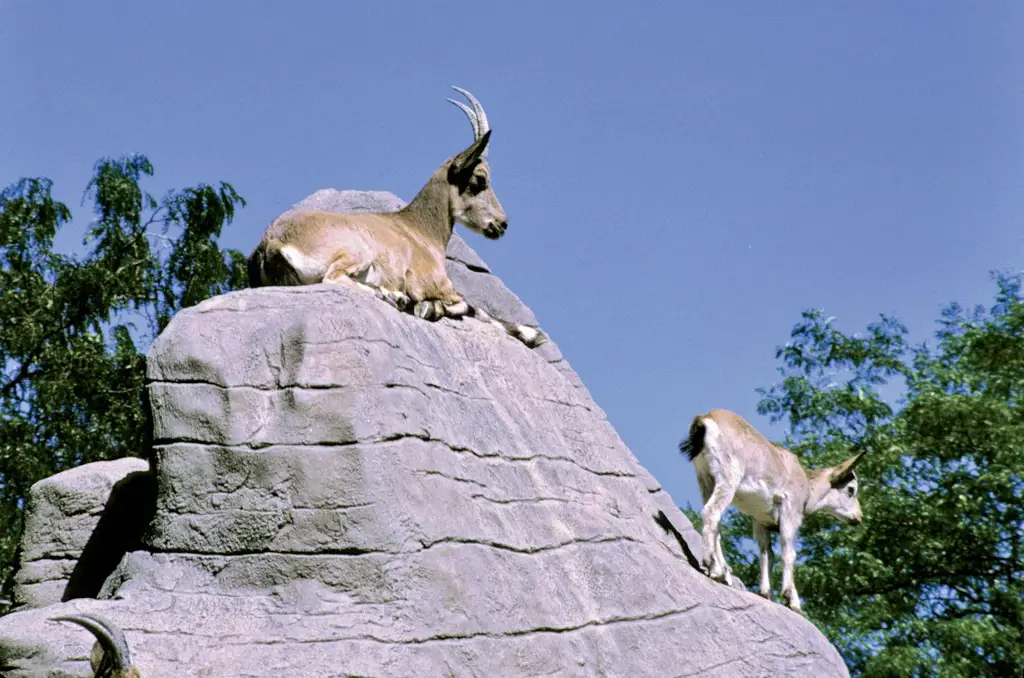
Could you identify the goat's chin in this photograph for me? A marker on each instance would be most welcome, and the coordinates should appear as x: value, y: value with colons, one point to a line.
x: 492, y: 233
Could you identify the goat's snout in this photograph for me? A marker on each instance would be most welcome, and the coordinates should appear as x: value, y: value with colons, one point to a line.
x: 496, y: 229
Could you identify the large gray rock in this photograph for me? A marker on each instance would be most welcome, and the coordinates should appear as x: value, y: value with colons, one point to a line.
x: 62, y: 516
x: 346, y: 490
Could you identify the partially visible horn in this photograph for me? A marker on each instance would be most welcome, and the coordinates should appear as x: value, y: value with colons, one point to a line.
x: 481, y: 117
x: 476, y: 115
x: 840, y: 474
x: 110, y: 637
x: 469, y: 114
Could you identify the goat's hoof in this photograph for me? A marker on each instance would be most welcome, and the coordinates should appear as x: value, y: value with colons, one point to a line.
x: 793, y: 603
x: 423, y: 309
x: 531, y: 336
x: 429, y: 309
x: 767, y: 595
x: 456, y: 310
x: 399, y: 300
x: 721, y: 576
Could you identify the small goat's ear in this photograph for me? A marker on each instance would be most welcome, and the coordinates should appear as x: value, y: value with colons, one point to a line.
x: 842, y: 473
x: 464, y: 162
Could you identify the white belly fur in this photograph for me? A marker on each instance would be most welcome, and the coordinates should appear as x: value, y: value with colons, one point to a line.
x: 758, y: 502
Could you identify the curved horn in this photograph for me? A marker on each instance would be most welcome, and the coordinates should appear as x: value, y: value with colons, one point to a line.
x: 469, y: 114
x: 481, y: 117
x: 840, y: 474
x: 110, y: 637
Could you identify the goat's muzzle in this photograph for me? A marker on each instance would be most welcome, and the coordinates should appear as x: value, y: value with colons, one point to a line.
x: 495, y: 229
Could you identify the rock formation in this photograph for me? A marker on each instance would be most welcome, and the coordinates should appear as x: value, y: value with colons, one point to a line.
x: 62, y: 521
x: 345, y: 490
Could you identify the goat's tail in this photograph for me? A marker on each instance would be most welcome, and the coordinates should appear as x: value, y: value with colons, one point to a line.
x: 693, y: 445
x: 269, y: 265
x: 255, y: 268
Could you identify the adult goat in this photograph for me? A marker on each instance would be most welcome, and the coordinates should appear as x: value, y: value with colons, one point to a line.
x: 110, y: 657
x: 399, y: 255
x: 737, y: 465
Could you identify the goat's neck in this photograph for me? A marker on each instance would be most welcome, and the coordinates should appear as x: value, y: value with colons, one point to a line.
x: 817, y: 487
x: 430, y: 213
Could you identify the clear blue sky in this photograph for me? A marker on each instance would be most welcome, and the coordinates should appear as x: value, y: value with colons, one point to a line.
x: 681, y: 179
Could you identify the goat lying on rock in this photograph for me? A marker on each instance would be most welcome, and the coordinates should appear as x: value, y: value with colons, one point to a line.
x: 110, y: 657
x: 737, y: 465
x: 399, y: 255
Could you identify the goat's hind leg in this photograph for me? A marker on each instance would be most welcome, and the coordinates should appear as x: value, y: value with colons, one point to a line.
x: 711, y: 515
x: 366, y: 277
x: 351, y: 270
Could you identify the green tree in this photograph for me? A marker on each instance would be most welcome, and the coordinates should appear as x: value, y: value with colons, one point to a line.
x: 71, y: 370
x: 932, y: 584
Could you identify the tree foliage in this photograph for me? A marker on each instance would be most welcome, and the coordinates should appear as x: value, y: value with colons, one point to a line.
x: 71, y: 372
x: 932, y: 584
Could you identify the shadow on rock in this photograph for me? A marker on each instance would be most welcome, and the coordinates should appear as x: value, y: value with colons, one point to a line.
x: 664, y: 523
x: 126, y: 516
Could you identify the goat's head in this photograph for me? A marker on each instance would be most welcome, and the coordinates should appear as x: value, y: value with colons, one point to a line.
x: 840, y: 500
x: 110, y: 656
x: 472, y: 200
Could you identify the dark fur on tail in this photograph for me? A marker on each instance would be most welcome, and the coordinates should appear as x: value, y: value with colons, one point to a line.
x: 267, y: 266
x: 693, y: 445
x: 256, y: 269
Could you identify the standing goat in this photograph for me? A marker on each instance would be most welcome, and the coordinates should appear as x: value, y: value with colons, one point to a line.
x: 399, y: 255
x: 110, y: 657
x: 737, y: 465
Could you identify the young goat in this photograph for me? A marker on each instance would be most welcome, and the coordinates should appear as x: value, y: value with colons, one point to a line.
x: 110, y: 657
x: 737, y: 465
x: 399, y: 255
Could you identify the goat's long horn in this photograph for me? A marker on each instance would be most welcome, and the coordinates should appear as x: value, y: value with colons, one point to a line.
x: 469, y: 114
x: 110, y: 637
x: 842, y: 472
x: 481, y: 117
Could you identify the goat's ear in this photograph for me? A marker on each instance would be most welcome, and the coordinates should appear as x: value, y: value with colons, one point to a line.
x: 844, y: 472
x: 464, y: 162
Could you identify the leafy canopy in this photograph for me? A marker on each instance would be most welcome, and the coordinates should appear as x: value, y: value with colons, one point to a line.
x: 71, y: 372
x: 932, y: 584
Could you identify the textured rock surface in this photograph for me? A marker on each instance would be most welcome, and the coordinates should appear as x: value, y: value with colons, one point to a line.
x: 346, y: 490
x: 62, y: 515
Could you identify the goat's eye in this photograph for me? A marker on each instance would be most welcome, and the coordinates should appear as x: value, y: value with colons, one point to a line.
x: 477, y: 184
x: 851, y: 491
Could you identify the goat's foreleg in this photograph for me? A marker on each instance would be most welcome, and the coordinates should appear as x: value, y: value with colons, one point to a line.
x: 764, y: 545
x: 433, y: 298
x: 453, y: 305
x: 789, y: 523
